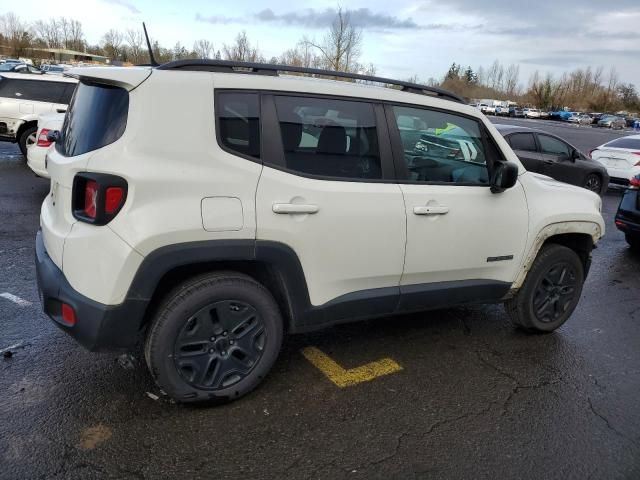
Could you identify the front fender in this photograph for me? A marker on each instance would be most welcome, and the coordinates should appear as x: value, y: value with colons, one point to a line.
x: 585, y: 228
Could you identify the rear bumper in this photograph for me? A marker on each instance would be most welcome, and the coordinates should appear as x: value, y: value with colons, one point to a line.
x: 98, y: 327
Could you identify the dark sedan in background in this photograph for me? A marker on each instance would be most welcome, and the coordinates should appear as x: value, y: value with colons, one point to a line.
x: 628, y: 215
x: 544, y: 153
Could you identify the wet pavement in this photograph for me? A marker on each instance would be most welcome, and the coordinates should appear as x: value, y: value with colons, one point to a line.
x: 473, y: 397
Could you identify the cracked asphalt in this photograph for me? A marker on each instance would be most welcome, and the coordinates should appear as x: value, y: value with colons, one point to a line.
x: 475, y: 398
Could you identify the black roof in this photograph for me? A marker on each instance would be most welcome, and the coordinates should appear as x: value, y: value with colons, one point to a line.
x: 229, y: 66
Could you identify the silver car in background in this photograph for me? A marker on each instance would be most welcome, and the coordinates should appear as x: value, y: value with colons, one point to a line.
x: 612, y: 122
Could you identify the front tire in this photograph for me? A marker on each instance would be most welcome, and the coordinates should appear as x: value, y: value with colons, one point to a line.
x: 215, y: 339
x: 593, y: 182
x: 551, y: 291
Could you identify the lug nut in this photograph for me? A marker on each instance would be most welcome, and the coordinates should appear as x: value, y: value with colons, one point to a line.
x: 211, y: 350
x: 213, y: 339
x: 230, y: 342
x: 224, y: 352
x: 224, y: 333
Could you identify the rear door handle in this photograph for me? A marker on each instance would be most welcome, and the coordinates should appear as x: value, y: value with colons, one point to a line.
x: 431, y: 210
x: 293, y: 208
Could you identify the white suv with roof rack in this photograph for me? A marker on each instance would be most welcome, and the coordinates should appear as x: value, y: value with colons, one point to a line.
x: 24, y: 97
x: 288, y: 205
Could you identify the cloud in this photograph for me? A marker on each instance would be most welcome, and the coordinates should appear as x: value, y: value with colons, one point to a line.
x: 564, y: 58
x: 312, y: 18
x: 124, y: 3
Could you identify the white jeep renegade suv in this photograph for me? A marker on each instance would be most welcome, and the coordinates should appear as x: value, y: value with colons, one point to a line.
x: 244, y: 205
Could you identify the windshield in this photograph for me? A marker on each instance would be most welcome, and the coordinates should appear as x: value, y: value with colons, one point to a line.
x: 7, y: 67
x: 97, y: 116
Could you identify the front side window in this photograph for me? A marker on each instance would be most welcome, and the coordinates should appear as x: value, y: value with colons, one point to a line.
x: 441, y: 147
x: 97, y: 116
x: 328, y: 137
x: 239, y: 122
x: 523, y: 141
x: 553, y: 146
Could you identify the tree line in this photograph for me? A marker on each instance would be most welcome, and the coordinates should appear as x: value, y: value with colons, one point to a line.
x: 587, y: 89
x: 339, y: 48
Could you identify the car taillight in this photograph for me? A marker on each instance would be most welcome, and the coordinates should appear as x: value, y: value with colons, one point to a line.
x: 634, y: 183
x: 42, y: 138
x: 90, y: 199
x: 68, y: 315
x: 113, y: 199
x: 98, y: 197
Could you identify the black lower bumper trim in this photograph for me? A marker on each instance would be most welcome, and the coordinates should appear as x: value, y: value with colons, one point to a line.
x: 98, y: 327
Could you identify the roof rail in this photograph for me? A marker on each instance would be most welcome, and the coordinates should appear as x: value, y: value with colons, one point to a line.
x: 230, y: 66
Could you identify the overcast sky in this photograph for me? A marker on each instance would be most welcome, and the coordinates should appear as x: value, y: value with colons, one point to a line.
x: 402, y: 38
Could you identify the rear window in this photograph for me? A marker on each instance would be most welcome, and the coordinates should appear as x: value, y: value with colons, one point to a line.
x: 97, y: 116
x: 633, y: 143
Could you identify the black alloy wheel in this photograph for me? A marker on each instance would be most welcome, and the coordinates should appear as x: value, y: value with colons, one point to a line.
x: 555, y: 293
x: 593, y: 183
x: 219, y: 345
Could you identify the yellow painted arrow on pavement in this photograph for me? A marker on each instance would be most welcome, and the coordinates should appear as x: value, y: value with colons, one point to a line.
x: 343, y: 377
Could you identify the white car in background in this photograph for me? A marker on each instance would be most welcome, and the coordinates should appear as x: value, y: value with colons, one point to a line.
x: 621, y: 158
x: 531, y: 113
x: 37, y: 151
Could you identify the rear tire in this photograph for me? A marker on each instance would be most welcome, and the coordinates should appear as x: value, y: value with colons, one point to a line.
x: 551, y: 291
x: 633, y: 241
x: 214, y: 339
x: 28, y: 137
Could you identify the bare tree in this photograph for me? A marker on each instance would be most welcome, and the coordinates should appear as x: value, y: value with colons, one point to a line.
x: 135, y: 42
x: 302, y: 55
x: 511, y: 79
x: 242, y: 50
x: 15, y: 32
x: 48, y: 32
x: 203, y: 48
x: 341, y: 47
x: 112, y: 44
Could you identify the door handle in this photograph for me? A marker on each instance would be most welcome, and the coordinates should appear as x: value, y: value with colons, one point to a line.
x: 431, y: 210
x: 548, y: 162
x: 294, y: 208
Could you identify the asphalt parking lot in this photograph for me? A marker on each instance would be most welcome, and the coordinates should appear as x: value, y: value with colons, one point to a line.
x: 454, y: 393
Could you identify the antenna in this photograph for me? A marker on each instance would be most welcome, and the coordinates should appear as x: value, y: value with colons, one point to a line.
x: 152, y: 60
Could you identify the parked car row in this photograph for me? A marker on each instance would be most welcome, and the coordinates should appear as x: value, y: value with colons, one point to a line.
x: 17, y: 66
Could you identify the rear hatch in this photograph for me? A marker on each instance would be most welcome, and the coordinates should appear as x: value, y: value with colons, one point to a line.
x: 620, y: 156
x: 95, y: 119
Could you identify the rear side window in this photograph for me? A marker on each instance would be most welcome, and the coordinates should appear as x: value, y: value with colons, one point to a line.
x: 633, y: 143
x: 239, y: 122
x: 329, y: 137
x: 34, y: 90
x: 523, y: 141
x: 97, y: 116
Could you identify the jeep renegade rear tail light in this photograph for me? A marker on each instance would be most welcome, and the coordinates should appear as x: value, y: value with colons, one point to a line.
x: 98, y: 197
x: 634, y: 183
x: 90, y: 199
x: 68, y: 315
x: 43, y: 141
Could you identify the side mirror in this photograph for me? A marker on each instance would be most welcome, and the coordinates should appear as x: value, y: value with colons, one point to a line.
x: 53, y: 136
x: 505, y: 175
x: 575, y: 155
